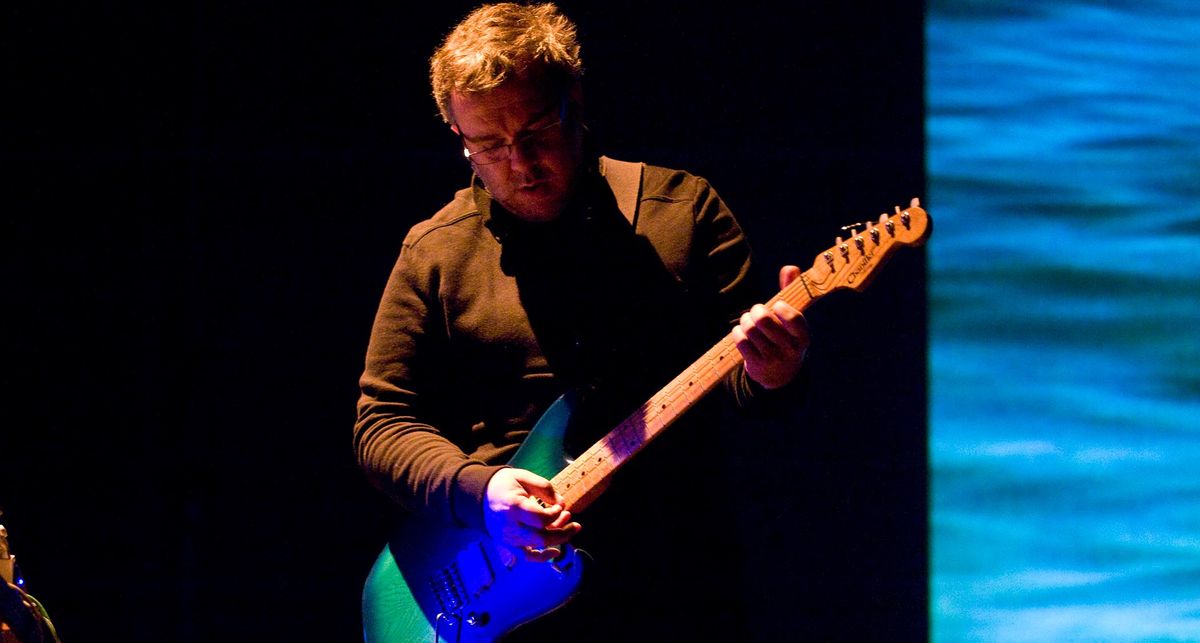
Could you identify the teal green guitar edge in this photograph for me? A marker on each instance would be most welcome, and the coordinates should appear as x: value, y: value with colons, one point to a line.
x: 542, y: 452
x: 381, y: 621
x: 385, y: 586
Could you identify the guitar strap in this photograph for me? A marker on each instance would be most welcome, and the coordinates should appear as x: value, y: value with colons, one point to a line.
x: 625, y: 180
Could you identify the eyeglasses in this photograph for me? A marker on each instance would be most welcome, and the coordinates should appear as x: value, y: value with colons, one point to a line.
x: 531, y: 139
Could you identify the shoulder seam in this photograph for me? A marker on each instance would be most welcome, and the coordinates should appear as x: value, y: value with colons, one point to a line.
x: 434, y: 227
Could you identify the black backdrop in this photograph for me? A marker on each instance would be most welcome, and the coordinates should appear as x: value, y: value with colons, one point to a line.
x: 205, y: 200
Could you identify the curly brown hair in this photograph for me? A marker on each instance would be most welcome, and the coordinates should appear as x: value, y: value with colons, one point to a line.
x: 498, y: 42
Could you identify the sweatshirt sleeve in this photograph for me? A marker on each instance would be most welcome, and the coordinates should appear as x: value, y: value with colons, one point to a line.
x: 397, y: 437
x: 728, y: 267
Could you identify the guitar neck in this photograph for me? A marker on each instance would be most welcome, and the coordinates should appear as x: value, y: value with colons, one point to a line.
x: 848, y: 264
x: 582, y: 481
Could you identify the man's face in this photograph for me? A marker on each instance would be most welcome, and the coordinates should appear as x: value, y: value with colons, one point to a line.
x: 535, y: 181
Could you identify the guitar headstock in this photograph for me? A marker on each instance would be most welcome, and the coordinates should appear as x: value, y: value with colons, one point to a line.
x: 852, y: 263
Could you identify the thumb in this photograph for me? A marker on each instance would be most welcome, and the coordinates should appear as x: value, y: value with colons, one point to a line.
x: 537, y: 486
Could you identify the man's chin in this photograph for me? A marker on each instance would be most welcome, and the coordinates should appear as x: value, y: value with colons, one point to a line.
x: 536, y: 210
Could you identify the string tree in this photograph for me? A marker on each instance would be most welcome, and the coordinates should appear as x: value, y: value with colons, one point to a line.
x: 854, y: 231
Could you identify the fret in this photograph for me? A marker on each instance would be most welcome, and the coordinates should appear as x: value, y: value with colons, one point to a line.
x: 842, y: 266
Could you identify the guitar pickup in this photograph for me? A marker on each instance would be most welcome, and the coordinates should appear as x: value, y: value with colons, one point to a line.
x: 475, y: 569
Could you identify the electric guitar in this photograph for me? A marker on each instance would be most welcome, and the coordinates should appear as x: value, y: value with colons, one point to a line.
x: 436, y: 583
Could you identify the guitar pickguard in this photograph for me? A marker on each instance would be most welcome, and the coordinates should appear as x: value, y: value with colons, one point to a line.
x: 436, y: 583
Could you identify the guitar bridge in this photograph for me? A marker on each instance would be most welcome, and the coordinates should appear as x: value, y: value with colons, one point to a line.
x: 446, y: 587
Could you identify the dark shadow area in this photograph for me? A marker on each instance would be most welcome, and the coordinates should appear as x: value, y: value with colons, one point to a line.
x: 205, y: 202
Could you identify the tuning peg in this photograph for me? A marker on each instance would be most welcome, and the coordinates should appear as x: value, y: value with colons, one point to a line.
x: 845, y: 249
x: 905, y: 218
x: 874, y: 232
x: 888, y: 224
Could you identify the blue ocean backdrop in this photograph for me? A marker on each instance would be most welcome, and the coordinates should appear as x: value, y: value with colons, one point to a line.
x: 1064, y: 182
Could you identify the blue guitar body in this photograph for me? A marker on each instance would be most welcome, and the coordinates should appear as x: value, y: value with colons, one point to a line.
x: 437, y: 583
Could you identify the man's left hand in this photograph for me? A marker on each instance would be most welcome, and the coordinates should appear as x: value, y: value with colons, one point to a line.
x: 773, y: 340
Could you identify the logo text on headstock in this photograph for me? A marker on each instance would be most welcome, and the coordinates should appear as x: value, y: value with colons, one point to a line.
x: 862, y: 265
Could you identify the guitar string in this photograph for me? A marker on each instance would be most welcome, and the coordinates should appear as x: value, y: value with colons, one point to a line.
x: 624, y: 441
x: 670, y: 402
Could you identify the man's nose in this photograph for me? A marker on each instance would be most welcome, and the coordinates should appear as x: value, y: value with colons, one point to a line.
x: 523, y: 155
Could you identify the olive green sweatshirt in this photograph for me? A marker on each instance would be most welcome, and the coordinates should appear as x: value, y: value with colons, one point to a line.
x: 486, y: 320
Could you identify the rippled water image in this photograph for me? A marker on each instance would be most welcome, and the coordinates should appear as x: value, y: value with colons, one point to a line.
x: 1064, y: 179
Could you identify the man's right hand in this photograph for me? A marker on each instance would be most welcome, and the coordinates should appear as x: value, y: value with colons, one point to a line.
x: 524, y: 513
